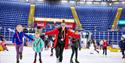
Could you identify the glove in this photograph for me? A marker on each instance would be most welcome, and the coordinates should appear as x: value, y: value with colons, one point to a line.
x: 14, y: 44
x: 66, y: 46
x: 43, y: 33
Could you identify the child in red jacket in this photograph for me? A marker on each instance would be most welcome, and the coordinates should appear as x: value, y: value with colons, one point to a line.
x: 105, y: 44
x: 74, y: 46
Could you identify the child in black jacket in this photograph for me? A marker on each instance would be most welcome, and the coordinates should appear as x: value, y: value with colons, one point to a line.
x: 74, y: 46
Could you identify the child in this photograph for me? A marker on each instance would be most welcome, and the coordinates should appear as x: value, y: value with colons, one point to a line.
x: 53, y: 39
x: 18, y: 41
x: 46, y: 43
x: 105, y: 44
x: 74, y: 45
x: 93, y: 47
x: 4, y: 45
x: 38, y: 45
x: 101, y: 43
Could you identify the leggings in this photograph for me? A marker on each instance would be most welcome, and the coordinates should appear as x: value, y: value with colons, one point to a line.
x: 19, y: 50
x: 74, y: 50
x: 59, y: 52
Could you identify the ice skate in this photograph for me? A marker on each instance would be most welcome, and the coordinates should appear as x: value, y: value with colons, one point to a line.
x: 76, y: 61
x: 57, y: 60
x: 17, y: 61
x: 71, y: 61
x: 51, y: 54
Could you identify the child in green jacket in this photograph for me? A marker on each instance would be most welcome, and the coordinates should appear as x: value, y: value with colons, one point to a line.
x: 38, y: 45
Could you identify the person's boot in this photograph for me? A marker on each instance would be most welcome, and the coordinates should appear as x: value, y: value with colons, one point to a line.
x: 51, y: 54
x: 123, y: 57
x: 76, y: 61
x: 34, y: 61
x: 35, y: 58
x: 17, y: 61
x: 71, y: 61
x: 21, y: 56
x: 57, y: 60
x: 40, y: 60
x: 98, y: 52
x: 6, y: 49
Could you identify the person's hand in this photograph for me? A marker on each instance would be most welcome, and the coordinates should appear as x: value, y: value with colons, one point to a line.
x: 42, y: 49
x: 43, y: 33
x: 14, y: 44
x: 66, y: 47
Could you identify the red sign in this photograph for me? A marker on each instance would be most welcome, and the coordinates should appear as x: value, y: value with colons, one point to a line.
x: 39, y: 24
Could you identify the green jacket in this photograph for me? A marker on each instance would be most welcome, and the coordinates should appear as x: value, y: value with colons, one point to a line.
x: 38, y: 48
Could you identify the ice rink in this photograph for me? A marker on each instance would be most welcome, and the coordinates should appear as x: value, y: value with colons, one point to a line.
x: 84, y: 56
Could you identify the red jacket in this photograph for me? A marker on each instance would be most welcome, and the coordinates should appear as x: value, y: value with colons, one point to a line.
x: 68, y: 33
x: 105, y: 44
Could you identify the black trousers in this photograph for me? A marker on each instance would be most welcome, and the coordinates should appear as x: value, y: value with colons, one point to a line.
x: 59, y: 51
x: 105, y: 51
x: 46, y: 44
x: 74, y: 50
x: 36, y: 57
x: 52, y: 48
x: 122, y: 50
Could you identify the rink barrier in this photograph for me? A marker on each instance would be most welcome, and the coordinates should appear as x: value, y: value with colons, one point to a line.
x: 113, y: 49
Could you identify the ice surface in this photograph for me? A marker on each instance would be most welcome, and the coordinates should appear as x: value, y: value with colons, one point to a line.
x: 84, y: 56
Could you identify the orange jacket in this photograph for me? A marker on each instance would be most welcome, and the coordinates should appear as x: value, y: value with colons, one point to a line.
x: 68, y: 33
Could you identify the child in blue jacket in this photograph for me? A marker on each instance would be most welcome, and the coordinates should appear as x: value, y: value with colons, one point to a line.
x: 18, y: 41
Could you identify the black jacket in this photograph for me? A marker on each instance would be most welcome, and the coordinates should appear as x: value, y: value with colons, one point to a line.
x: 122, y: 44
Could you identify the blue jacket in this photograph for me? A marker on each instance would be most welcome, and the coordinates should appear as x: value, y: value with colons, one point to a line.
x: 19, y: 40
